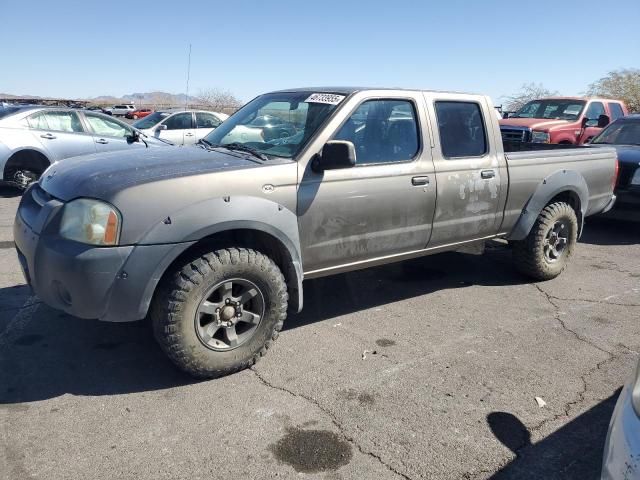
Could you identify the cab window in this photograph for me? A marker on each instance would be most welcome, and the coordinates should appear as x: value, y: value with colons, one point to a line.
x: 593, y: 112
x: 382, y: 131
x: 616, y: 111
x: 179, y: 121
x: 462, y: 130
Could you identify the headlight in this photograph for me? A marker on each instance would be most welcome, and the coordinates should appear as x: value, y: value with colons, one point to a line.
x: 636, y: 177
x: 539, y: 137
x: 635, y: 391
x: 90, y: 221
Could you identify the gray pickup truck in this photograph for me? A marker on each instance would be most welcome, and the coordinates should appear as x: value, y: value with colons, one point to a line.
x: 212, y: 243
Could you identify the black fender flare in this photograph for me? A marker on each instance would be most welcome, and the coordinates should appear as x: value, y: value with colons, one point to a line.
x: 183, y: 228
x: 561, y: 181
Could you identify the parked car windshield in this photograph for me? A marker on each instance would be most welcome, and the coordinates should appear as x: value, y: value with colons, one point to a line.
x: 278, y: 124
x: 150, y: 120
x: 620, y: 132
x: 556, y: 109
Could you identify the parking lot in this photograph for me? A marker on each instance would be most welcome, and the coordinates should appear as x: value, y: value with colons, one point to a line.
x: 425, y: 369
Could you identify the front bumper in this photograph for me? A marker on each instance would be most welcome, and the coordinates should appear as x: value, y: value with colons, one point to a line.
x: 622, y: 449
x: 108, y: 283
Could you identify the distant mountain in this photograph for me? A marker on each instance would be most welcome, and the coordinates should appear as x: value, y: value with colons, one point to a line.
x: 152, y: 98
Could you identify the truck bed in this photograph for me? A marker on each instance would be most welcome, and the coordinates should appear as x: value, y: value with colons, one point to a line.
x: 528, y: 163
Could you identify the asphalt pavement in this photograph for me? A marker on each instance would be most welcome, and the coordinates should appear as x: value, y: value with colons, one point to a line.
x: 425, y: 369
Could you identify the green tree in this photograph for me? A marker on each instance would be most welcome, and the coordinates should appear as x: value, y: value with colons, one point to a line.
x: 620, y: 84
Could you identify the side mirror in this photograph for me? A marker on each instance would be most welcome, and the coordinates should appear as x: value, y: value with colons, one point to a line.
x: 133, y: 137
x: 335, y: 154
x: 161, y: 127
x: 603, y: 121
x: 585, y: 120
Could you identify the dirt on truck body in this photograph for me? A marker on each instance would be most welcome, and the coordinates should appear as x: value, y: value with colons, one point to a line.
x: 213, y: 243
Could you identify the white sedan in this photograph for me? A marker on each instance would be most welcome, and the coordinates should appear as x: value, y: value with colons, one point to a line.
x: 180, y: 127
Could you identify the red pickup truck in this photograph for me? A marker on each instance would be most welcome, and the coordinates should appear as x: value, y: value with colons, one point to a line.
x: 565, y: 120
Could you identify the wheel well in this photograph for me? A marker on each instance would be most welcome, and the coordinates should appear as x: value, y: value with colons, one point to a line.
x: 25, y: 159
x: 565, y: 142
x: 257, y: 240
x: 573, y: 200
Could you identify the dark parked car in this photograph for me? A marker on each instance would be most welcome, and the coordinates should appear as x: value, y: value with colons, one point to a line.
x: 624, y: 135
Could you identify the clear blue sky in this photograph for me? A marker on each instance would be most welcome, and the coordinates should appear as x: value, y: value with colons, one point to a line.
x: 88, y: 48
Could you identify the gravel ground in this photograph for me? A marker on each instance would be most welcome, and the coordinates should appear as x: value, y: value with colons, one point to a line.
x: 424, y: 369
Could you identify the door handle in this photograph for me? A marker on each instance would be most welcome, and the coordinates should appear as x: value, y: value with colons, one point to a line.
x: 188, y: 134
x: 102, y: 141
x: 417, y: 181
x: 487, y: 174
x: 48, y: 136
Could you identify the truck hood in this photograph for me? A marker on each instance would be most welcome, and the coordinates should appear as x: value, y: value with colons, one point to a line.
x: 103, y: 175
x: 532, y: 123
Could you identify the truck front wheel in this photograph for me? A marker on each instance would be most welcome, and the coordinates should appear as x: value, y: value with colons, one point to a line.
x: 220, y: 312
x: 543, y: 255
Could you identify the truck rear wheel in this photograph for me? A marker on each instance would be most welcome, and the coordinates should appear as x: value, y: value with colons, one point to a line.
x: 220, y: 312
x: 544, y: 253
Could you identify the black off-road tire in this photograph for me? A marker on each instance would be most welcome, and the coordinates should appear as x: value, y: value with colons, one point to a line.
x: 174, y: 307
x: 529, y: 254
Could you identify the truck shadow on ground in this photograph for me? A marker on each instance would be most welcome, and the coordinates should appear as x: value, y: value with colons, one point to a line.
x: 573, y: 452
x: 608, y: 231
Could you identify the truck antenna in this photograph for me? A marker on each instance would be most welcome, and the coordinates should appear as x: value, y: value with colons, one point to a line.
x: 186, y: 100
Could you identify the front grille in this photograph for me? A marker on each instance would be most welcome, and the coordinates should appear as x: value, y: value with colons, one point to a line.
x: 518, y: 134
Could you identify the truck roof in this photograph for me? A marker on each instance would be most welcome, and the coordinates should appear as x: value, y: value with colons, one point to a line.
x: 350, y: 90
x: 562, y: 97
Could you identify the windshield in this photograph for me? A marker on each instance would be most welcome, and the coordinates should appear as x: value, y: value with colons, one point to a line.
x: 150, y: 120
x: 278, y: 124
x: 621, y: 132
x: 556, y: 109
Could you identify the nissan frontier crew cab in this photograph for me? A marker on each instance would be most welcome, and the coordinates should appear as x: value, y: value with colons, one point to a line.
x: 213, y: 243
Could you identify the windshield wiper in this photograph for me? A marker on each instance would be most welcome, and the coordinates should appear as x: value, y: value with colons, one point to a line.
x: 243, y: 148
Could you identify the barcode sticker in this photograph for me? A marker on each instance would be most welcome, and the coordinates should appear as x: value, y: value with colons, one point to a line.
x: 329, y: 98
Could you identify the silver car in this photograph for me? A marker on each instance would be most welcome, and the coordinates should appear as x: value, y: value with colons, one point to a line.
x: 32, y: 138
x: 181, y: 127
x: 622, y: 449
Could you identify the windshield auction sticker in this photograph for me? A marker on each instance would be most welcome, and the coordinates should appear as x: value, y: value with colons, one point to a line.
x: 329, y: 98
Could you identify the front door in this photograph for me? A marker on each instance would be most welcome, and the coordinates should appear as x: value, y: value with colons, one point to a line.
x: 470, y: 175
x: 381, y: 207
x: 179, y: 129
x: 110, y: 134
x: 593, y: 112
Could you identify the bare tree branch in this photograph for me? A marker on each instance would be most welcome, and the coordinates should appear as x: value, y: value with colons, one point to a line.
x: 528, y: 92
x: 218, y: 100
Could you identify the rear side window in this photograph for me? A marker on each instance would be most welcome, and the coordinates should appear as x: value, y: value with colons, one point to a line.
x: 462, y: 130
x: 206, y: 120
x: 616, y: 111
x: 38, y: 121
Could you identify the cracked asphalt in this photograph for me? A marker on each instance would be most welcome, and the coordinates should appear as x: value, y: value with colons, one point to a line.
x: 426, y: 369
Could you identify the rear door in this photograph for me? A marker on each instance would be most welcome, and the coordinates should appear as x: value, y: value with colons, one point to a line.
x: 384, y: 205
x: 110, y: 134
x: 61, y: 133
x: 471, y: 175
